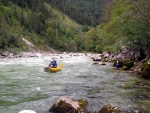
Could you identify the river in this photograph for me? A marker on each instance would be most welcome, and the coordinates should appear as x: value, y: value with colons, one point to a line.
x: 24, y: 85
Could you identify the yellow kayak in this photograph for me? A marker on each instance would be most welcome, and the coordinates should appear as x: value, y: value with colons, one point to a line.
x: 53, y: 70
x: 56, y: 69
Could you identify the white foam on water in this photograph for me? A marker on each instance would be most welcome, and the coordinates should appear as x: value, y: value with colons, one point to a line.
x: 27, y: 111
x: 38, y: 88
x: 43, y: 61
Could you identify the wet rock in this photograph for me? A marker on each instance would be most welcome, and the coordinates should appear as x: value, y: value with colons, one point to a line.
x: 137, y: 67
x: 5, y: 54
x: 67, y: 105
x: 144, y: 95
x: 128, y: 64
x: 46, y: 69
x: 1, y: 56
x: 128, y: 54
x: 96, y: 59
x: 95, y: 63
x: 146, y: 70
x: 148, y: 62
x: 102, y: 63
x: 21, y: 54
x: 11, y: 55
x: 106, y: 57
x: 106, y: 60
x: 125, y: 68
x: 109, y: 109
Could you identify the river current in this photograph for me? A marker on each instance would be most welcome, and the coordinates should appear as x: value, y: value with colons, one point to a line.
x: 25, y: 86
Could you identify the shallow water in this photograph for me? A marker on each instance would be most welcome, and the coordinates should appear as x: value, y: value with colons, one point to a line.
x: 24, y: 85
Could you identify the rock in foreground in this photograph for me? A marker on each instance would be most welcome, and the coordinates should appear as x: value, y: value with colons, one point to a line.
x: 109, y: 109
x: 67, y: 105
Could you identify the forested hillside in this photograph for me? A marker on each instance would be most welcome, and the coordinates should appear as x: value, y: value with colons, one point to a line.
x: 95, y: 25
x: 84, y: 12
x: 125, y: 24
x: 37, y: 22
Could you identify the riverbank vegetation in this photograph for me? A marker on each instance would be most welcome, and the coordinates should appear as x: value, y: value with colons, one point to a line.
x: 127, y: 23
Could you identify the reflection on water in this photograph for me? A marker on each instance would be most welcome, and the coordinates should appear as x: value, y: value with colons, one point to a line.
x: 24, y: 85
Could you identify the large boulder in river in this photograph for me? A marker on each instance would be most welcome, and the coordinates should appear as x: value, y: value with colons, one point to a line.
x: 5, y: 54
x: 109, y: 109
x: 128, y: 54
x: 128, y: 57
x: 67, y: 105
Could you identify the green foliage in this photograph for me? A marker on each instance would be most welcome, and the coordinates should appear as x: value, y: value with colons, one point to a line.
x: 129, y: 24
x: 85, y: 12
x: 112, y: 31
x: 90, y: 41
x: 11, y: 42
x: 41, y: 25
x: 139, y: 26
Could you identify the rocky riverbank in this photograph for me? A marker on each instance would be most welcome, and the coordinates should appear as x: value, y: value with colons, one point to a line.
x: 135, y: 61
x: 19, y: 55
x: 130, y: 60
x: 34, y: 51
x: 26, y: 54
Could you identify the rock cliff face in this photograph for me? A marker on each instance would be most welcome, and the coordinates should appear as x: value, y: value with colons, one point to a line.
x: 31, y: 47
x: 132, y: 55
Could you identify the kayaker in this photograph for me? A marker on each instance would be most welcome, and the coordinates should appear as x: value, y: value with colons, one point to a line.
x: 117, y: 64
x: 53, y: 64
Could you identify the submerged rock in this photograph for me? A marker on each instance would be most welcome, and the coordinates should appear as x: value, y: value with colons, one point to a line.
x: 67, y: 105
x: 109, y: 109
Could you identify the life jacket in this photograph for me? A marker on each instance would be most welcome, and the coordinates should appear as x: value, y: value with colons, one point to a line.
x: 54, y: 63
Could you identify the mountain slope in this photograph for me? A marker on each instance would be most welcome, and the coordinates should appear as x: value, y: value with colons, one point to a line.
x: 85, y: 12
x: 42, y: 25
